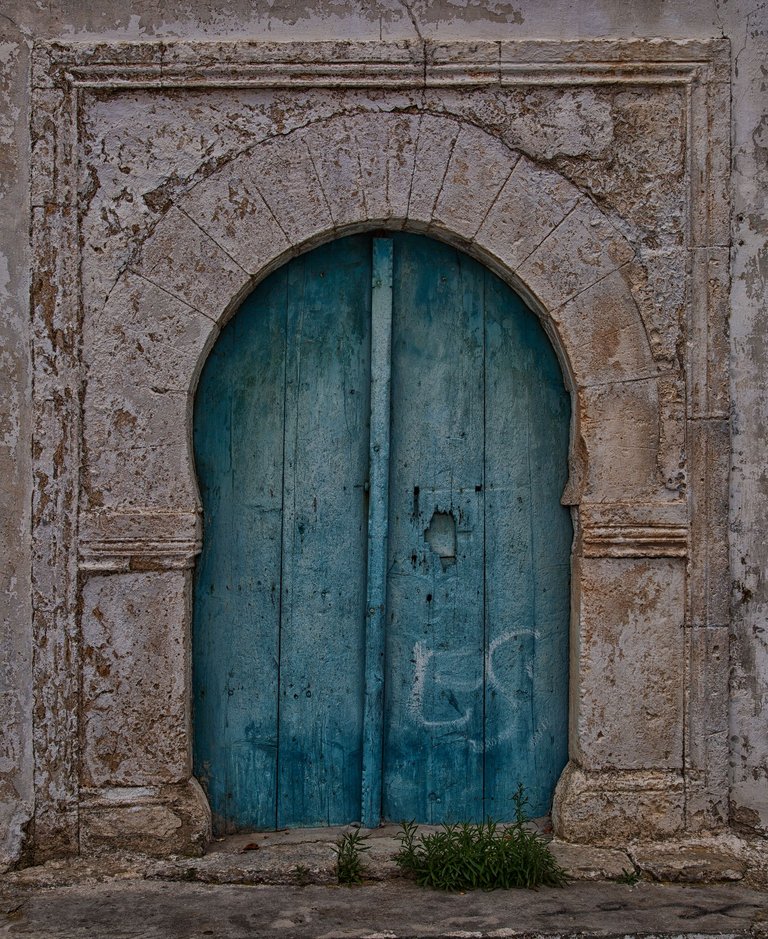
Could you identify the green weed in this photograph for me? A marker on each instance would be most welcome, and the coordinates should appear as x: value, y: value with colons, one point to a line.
x: 302, y: 875
x: 349, y: 864
x: 628, y: 877
x: 484, y: 855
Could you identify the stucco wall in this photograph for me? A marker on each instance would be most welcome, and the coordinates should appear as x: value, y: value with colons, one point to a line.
x: 745, y: 23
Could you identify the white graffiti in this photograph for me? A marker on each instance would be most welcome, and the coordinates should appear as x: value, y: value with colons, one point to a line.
x: 446, y: 672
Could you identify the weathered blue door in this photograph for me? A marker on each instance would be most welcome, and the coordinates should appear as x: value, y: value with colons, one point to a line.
x: 381, y: 605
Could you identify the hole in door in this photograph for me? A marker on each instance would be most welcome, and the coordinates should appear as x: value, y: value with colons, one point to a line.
x: 302, y: 716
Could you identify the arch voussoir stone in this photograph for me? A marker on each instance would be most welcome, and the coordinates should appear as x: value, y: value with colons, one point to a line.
x: 471, y: 184
x: 188, y: 263
x: 532, y: 203
x: 604, y: 335
x: 582, y: 249
x: 437, y: 138
x: 283, y: 171
x: 145, y: 345
x: 230, y: 205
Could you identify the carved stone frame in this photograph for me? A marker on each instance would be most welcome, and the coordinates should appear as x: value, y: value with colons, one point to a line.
x: 650, y: 563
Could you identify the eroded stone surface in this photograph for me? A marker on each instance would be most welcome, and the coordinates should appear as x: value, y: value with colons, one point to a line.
x: 629, y: 697
x: 620, y: 421
x: 121, y: 910
x: 689, y: 864
x: 583, y: 249
x: 583, y: 862
x: 531, y: 203
x: 612, y: 808
x: 470, y: 186
x: 135, y: 708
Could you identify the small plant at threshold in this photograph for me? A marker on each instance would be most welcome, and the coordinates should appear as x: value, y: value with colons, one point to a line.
x: 485, y: 855
x: 349, y: 864
x: 630, y: 878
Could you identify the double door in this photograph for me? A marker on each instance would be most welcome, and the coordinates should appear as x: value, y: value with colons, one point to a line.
x: 382, y: 601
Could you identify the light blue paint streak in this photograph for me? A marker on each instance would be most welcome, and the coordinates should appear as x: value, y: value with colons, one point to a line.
x: 378, y: 525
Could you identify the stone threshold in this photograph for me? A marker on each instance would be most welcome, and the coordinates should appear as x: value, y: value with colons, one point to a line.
x: 300, y: 857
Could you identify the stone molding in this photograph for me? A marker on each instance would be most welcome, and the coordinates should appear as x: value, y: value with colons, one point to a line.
x: 623, y: 541
x: 110, y: 506
x: 121, y: 542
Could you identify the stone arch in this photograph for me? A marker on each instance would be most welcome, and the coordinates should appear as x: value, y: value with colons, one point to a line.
x: 431, y: 174
x: 423, y: 172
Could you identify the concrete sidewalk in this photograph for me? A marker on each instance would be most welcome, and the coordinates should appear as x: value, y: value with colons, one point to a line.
x: 140, y: 909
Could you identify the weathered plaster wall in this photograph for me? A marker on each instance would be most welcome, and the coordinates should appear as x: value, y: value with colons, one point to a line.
x: 749, y: 383
x: 15, y: 403
x: 745, y: 23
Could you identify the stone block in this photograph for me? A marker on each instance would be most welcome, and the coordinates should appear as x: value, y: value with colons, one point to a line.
x: 187, y: 263
x: 365, y: 165
x: 479, y: 166
x: 386, y: 146
x: 137, y: 527
x: 135, y: 720
x: 708, y: 446
x: 437, y: 137
x: 708, y: 342
x: 581, y: 250
x: 707, y: 727
x: 584, y: 862
x: 157, y: 820
x: 710, y: 164
x: 689, y: 864
x: 659, y: 279
x: 627, y: 697
x: 42, y: 180
x: 285, y: 176
x: 141, y: 355
x: 334, y: 151
x: 145, y: 337
x: 619, y: 424
x: 121, y: 415
x: 672, y: 459
x: 532, y: 202
x: 229, y: 208
x: 612, y: 808
x: 160, y: 476
x: 603, y: 335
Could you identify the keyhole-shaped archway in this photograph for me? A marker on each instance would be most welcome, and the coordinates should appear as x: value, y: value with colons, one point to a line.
x: 277, y: 199
x: 382, y: 599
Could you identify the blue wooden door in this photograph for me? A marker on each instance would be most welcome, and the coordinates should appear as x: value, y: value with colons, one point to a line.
x: 381, y: 605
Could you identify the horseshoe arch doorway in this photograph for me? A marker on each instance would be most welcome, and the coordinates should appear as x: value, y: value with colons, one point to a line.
x: 381, y: 605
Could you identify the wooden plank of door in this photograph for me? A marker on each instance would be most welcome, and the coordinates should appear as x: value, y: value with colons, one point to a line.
x: 433, y: 753
x: 378, y: 524
x: 528, y: 542
x: 238, y: 437
x: 324, y: 540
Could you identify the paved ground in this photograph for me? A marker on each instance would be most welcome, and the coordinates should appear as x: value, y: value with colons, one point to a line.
x: 251, y: 886
x: 137, y: 909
